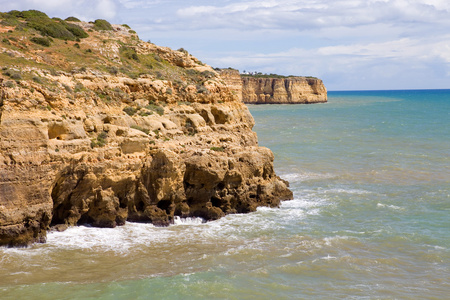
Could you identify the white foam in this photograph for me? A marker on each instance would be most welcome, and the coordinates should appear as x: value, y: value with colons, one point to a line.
x: 119, y: 239
x: 347, y: 191
x: 382, y: 205
x: 187, y: 221
x: 305, y: 176
x: 328, y: 257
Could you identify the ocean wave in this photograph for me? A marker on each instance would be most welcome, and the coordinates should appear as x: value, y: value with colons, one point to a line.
x: 305, y: 176
x: 187, y: 221
x: 382, y: 205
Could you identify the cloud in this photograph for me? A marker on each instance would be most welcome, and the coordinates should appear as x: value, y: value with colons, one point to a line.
x: 314, y: 14
x: 86, y: 10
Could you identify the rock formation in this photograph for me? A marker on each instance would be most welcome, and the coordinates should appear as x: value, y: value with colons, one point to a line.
x: 109, y: 129
x: 282, y: 90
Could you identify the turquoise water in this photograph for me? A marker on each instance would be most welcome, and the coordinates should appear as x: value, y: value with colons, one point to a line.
x: 370, y: 219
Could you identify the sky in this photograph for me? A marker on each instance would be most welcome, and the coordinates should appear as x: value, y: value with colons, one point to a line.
x: 349, y: 44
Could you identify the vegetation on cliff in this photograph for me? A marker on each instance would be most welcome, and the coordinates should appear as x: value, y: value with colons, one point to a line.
x: 99, y: 127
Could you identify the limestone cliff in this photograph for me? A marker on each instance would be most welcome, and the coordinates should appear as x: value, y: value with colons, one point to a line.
x: 108, y: 128
x: 283, y: 90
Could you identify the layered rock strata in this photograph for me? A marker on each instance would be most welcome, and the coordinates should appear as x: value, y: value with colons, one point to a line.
x: 101, y: 148
x: 285, y: 90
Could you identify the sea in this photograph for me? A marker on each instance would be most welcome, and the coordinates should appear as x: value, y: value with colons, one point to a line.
x: 370, y: 219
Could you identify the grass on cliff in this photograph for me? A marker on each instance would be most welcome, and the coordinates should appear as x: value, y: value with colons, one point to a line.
x: 39, y: 21
x: 59, y: 46
x: 271, y: 75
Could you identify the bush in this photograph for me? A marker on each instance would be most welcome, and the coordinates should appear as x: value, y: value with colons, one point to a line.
x: 10, y: 21
x: 75, y: 30
x: 48, y: 27
x: 156, y: 108
x: 129, y: 53
x: 219, y: 149
x: 72, y: 19
x: 41, y: 41
x: 100, y: 141
x: 16, y: 76
x: 144, y: 130
x: 32, y: 13
x: 202, y: 89
x: 100, y: 24
x: 37, y: 79
x: 9, y: 84
x: 113, y: 70
x: 130, y: 110
x: 208, y: 74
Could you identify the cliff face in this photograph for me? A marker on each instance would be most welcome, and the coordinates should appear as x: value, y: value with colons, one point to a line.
x: 289, y: 90
x: 96, y: 145
x: 234, y: 81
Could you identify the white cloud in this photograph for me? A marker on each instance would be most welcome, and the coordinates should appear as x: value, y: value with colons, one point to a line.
x: 87, y: 10
x: 310, y: 14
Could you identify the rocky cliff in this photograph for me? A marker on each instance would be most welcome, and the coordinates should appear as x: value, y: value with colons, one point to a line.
x: 282, y: 90
x: 105, y: 128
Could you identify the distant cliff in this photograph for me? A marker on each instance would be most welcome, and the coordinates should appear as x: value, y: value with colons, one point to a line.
x: 286, y: 90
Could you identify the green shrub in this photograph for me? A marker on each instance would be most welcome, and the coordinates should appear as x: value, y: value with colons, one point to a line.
x: 128, y: 53
x: 202, y: 89
x: 9, y: 84
x: 208, y: 74
x: 156, y: 108
x: 113, y: 70
x: 37, y: 79
x: 41, y: 41
x: 28, y: 14
x: 67, y: 88
x: 48, y: 27
x: 10, y: 21
x: 100, y: 141
x: 100, y: 24
x: 16, y: 76
x: 130, y: 110
x: 144, y: 130
x: 6, y: 41
x: 79, y: 87
x: 219, y: 149
x: 125, y: 25
x: 72, y: 19
x: 76, y: 30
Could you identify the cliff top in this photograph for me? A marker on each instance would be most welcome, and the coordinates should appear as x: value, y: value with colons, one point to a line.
x: 31, y: 41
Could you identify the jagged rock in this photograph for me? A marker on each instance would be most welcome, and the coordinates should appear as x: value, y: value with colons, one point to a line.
x: 99, y: 148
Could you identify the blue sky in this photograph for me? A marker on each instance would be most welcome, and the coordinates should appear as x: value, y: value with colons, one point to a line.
x: 350, y: 44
